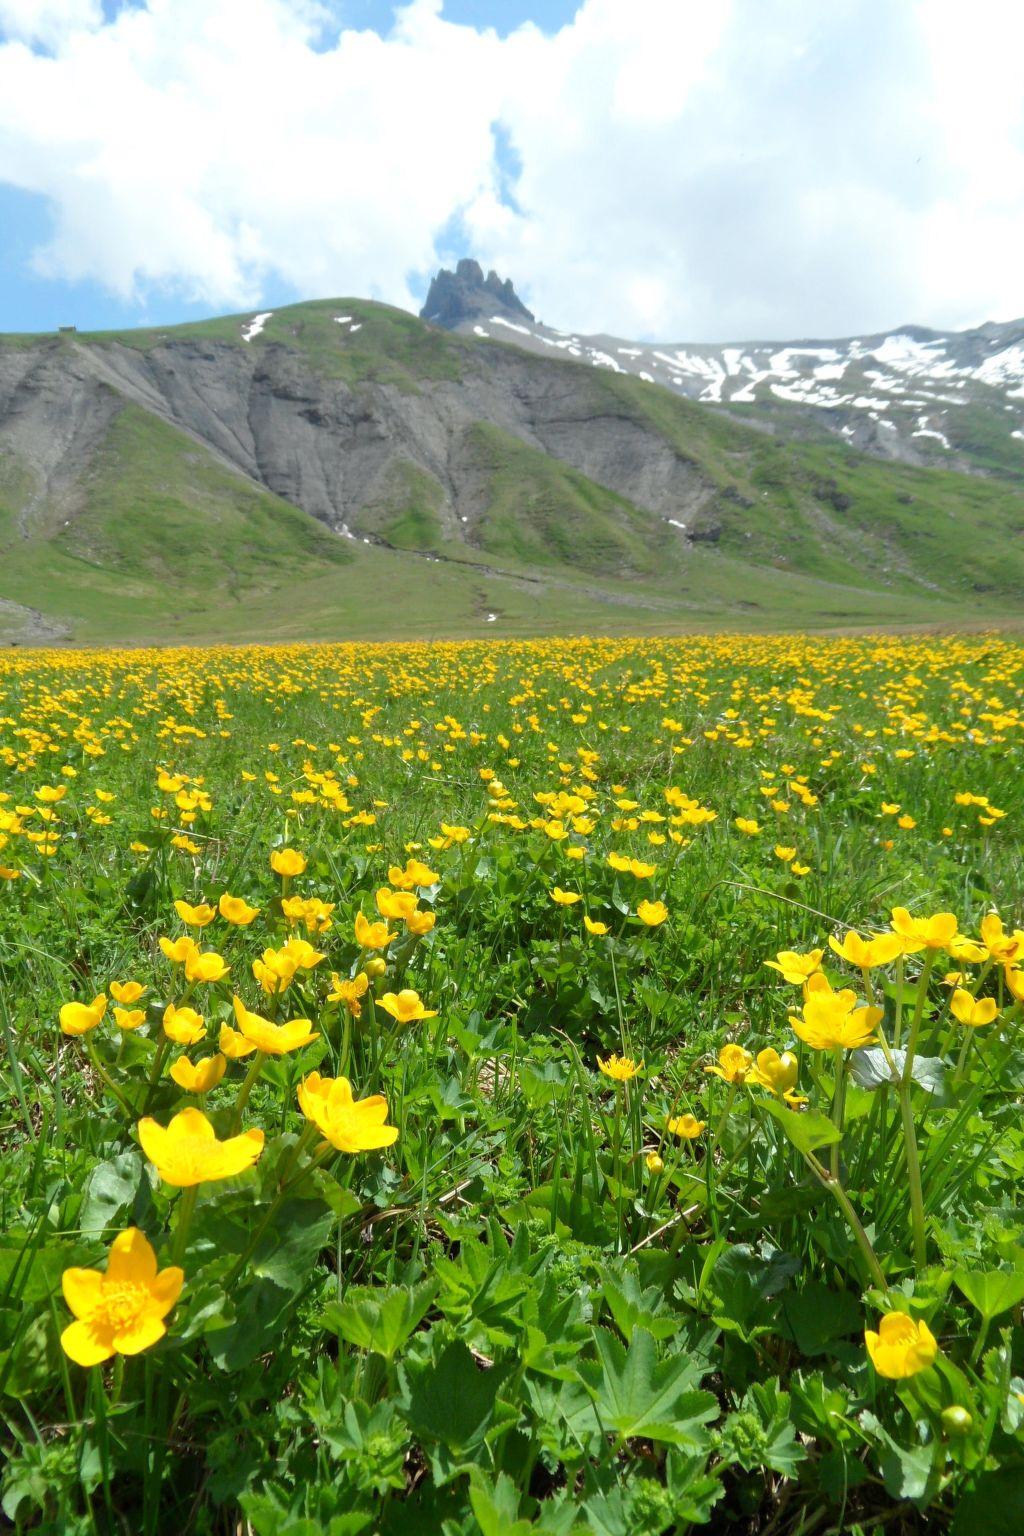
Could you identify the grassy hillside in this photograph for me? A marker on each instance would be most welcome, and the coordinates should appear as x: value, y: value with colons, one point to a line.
x: 160, y: 540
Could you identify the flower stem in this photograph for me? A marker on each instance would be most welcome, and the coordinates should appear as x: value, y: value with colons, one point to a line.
x: 245, y: 1090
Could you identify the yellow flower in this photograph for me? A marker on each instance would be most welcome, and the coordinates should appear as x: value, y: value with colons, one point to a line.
x: 565, y: 898
x: 1015, y: 981
x: 187, y: 1151
x: 205, y: 965
x: 235, y: 910
x: 936, y: 932
x: 121, y: 1311
x: 834, y: 1021
x: 273, y: 1039
x: 620, y: 1068
x: 901, y: 1347
x: 747, y: 825
x: 179, y: 950
x: 787, y: 855
x: 687, y: 1126
x: 867, y: 953
x: 733, y: 1064
x: 287, y: 862
x: 351, y: 1125
x: 1003, y: 947
x: 420, y: 923
x: 655, y: 1162
x: 967, y: 951
x: 406, y: 1006
x: 372, y: 935
x: 233, y: 1044
x: 972, y: 1010
x: 416, y: 874
x: 594, y: 927
x: 129, y: 1018
x: 349, y: 992
x: 195, y: 917
x: 79, y: 1018
x: 794, y: 967
x: 396, y: 905
x: 126, y: 991
x: 201, y: 1076
x: 652, y: 913
x: 774, y: 1072
x: 183, y: 1025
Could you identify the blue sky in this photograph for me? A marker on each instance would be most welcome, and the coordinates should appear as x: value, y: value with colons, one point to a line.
x: 31, y: 302
x: 676, y: 169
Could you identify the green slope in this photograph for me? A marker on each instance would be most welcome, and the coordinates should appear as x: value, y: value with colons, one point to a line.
x: 164, y: 542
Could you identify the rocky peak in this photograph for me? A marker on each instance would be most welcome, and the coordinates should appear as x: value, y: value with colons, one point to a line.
x: 465, y: 294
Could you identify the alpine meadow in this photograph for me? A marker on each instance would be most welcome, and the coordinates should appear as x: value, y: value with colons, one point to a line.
x: 554, y: 1086
x: 511, y: 768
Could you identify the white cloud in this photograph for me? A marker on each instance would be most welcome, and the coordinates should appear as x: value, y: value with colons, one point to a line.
x: 47, y: 21
x: 689, y: 168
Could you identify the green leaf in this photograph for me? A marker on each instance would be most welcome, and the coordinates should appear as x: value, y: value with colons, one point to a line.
x: 451, y: 1399
x: 869, y: 1069
x: 636, y: 1394
x: 807, y: 1129
x: 117, y: 1194
x: 380, y: 1319
x: 992, y: 1291
x: 994, y: 1506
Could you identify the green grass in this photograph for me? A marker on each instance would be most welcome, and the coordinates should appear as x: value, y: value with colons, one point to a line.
x: 536, y: 1305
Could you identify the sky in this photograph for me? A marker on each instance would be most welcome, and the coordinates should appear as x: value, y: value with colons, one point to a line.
x: 702, y: 170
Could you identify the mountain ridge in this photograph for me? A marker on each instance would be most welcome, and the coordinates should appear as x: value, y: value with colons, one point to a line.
x: 536, y: 490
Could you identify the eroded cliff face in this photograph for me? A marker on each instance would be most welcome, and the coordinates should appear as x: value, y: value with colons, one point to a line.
x: 326, y: 445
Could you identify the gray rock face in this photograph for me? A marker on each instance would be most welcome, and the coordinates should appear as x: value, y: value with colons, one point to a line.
x: 322, y: 444
x: 466, y: 295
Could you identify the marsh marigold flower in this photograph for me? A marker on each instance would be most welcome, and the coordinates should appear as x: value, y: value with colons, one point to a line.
x: 652, y: 913
x: 233, y: 1044
x: 287, y: 862
x: 396, y: 905
x: 733, y: 1064
x: 349, y: 991
x: 564, y: 898
x: 975, y: 1011
x: 420, y: 923
x: 687, y: 1126
x: 183, y: 1025
x: 195, y: 917
x: 1003, y: 947
x: 917, y: 933
x: 273, y: 1039
x: 349, y: 1124
x: 834, y: 1020
x: 126, y: 992
x: 866, y: 954
x: 121, y: 1311
x: 79, y: 1018
x: 406, y: 1006
x: 199, y: 1076
x: 901, y: 1347
x: 776, y: 1073
x: 205, y: 965
x: 129, y: 1018
x: 372, y: 935
x: 794, y: 967
x: 233, y: 909
x: 597, y: 929
x: 620, y: 1068
x: 178, y: 951
x: 187, y: 1151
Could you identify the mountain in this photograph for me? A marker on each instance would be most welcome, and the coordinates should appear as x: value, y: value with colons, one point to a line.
x: 954, y: 399
x: 344, y: 468
x: 465, y: 295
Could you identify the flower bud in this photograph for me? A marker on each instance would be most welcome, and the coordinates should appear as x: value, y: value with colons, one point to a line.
x: 956, y: 1421
x: 375, y: 967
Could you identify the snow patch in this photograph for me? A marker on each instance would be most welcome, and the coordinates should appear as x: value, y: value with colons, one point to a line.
x: 524, y: 330
x: 256, y: 325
